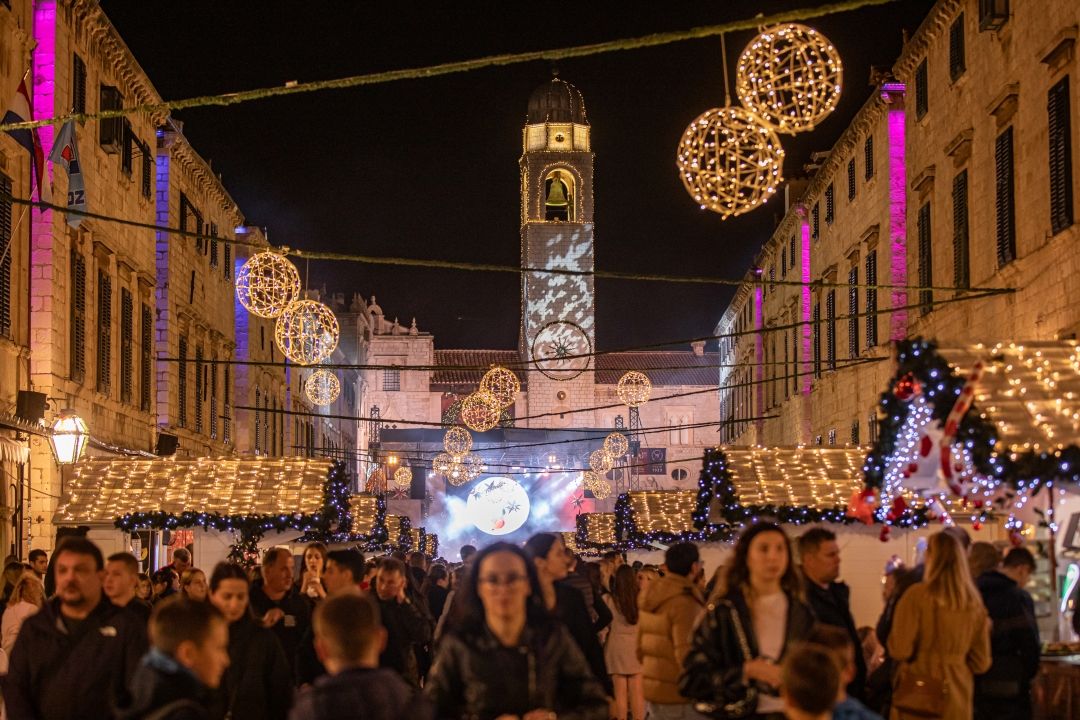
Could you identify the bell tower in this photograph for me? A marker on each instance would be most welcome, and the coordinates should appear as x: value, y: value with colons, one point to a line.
x: 557, y: 324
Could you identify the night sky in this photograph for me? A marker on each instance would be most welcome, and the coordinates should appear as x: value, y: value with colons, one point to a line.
x: 428, y: 168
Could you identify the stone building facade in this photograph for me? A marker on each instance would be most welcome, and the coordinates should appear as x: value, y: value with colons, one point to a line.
x: 971, y: 187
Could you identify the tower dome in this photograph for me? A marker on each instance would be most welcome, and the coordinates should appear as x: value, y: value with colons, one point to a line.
x: 557, y: 102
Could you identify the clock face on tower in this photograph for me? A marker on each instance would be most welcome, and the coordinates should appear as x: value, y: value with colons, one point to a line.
x: 561, y: 350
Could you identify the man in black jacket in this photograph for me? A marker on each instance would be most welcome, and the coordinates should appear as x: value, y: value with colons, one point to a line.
x: 1004, y: 692
x: 278, y: 604
x: 830, y: 600
x: 406, y: 624
x: 74, y: 658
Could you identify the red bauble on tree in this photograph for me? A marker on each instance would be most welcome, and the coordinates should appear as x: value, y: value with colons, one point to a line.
x: 907, y: 387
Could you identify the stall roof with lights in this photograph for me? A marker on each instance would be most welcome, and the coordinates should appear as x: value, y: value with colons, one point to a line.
x: 100, y: 491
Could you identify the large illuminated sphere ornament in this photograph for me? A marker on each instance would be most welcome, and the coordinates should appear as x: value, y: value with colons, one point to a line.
x: 403, y: 477
x: 600, y: 461
x: 498, y: 506
x: 503, y: 384
x: 457, y: 473
x: 790, y: 75
x: 267, y: 283
x: 616, y: 445
x: 306, y: 332
x: 474, y: 466
x: 457, y: 441
x: 634, y: 388
x: 596, y: 484
x: 480, y: 411
x: 440, y: 464
x: 730, y: 161
x: 322, y: 387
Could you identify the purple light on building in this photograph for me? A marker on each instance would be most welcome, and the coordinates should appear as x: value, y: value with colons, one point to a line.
x: 893, y: 94
x: 807, y: 300
x: 43, y: 262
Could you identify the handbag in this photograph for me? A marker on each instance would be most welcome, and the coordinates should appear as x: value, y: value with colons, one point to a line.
x: 917, y: 693
x: 745, y: 705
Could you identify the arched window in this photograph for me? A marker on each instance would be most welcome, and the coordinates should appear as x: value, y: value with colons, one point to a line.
x: 559, y: 196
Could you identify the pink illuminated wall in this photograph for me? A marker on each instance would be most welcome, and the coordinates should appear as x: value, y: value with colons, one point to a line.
x: 43, y: 288
x: 893, y: 94
x: 806, y: 308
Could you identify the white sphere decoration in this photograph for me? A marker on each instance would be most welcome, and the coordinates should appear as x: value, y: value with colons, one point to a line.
x: 457, y: 441
x: 600, y: 461
x: 403, y: 477
x: 322, y: 387
x: 616, y: 445
x: 791, y: 76
x: 730, y: 161
x: 498, y: 506
x: 503, y: 384
x: 480, y: 411
x: 306, y: 332
x: 634, y: 388
x: 267, y: 283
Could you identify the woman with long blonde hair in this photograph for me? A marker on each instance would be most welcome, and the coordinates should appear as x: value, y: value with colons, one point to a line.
x: 940, y: 637
x: 27, y: 597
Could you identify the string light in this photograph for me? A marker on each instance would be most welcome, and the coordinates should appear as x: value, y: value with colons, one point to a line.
x: 616, y: 445
x: 457, y: 441
x: 503, y: 384
x: 634, y: 389
x: 601, y: 462
x: 789, y: 76
x: 441, y: 463
x: 267, y: 283
x: 480, y: 411
x: 403, y: 476
x: 730, y: 161
x: 322, y: 387
x: 307, y: 332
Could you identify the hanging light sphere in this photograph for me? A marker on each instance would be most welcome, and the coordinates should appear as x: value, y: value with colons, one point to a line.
x: 616, y: 445
x: 474, y: 466
x: 601, y: 489
x: 791, y: 76
x: 403, y: 477
x: 322, y: 387
x: 306, y: 332
x: 456, y: 473
x: 730, y: 161
x: 267, y: 283
x: 503, y: 384
x: 600, y: 461
x: 440, y: 464
x: 480, y: 411
x: 457, y: 441
x: 634, y: 389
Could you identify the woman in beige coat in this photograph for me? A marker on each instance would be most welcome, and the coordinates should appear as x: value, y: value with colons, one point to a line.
x: 941, y: 631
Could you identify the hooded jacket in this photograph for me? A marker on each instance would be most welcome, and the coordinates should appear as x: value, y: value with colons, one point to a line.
x: 668, y: 612
x: 163, y: 689
x: 57, y: 674
x: 258, y: 684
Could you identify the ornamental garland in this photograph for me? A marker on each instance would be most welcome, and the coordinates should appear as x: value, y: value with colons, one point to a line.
x: 581, y: 537
x: 626, y: 529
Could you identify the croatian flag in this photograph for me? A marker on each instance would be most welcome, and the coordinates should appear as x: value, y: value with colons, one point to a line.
x: 19, y: 111
x: 66, y: 152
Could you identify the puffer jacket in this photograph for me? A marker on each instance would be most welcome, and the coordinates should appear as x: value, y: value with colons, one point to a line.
x: 476, y: 677
x: 668, y: 613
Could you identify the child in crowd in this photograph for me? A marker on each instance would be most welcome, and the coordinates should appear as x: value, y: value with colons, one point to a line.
x: 838, y: 644
x: 809, y: 683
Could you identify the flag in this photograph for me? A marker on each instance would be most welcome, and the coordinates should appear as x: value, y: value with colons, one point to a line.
x: 19, y: 111
x: 65, y: 152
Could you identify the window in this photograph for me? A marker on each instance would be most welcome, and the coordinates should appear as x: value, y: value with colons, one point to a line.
x: 853, y: 312
x: 147, y: 172
x: 104, y: 333
x: 258, y: 421
x: 817, y: 339
x: 213, y: 400
x: 679, y: 474
x: 391, y: 380
x: 871, y: 424
x: 200, y: 388
x: 78, y: 84
x: 6, y: 244
x: 228, y: 261
x: 957, y: 65
x: 854, y: 432
x: 830, y: 206
x: 127, y: 345
x: 181, y: 410
x: 191, y: 289
x: 993, y: 14
x: 868, y: 157
x: 871, y: 299
x: 851, y: 179
x: 791, y: 252
x: 78, y: 316
x: 783, y: 264
x: 127, y: 153
x: 226, y: 413
x: 1060, y: 133
x: 787, y: 360
x: 921, y: 89
x: 832, y: 436
x: 830, y: 329
x: 961, y: 260
x: 926, y: 270
x: 146, y: 362
x: 815, y: 224
x: 1004, y: 202
x: 110, y: 130
x: 213, y: 245
x: 191, y: 220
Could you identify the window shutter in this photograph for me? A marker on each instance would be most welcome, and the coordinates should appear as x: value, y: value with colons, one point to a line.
x: 851, y: 179
x: 855, y: 432
x: 1060, y: 132
x: 787, y: 362
x: 127, y: 149
x: 146, y: 369
x: 815, y: 224
x: 147, y: 172
x: 830, y: 206
x: 868, y: 157
x: 961, y: 259
x: 830, y: 329
x: 957, y: 64
x: 817, y: 339
x: 127, y: 345
x: 791, y: 252
x: 783, y: 263
x: 853, y: 312
x: 228, y: 261
x: 258, y: 421
x: 199, y: 388
x: 181, y: 408
x: 213, y: 400
x: 921, y: 89
x: 226, y: 413
x: 78, y: 317
x: 213, y: 244
x: 871, y: 299
x: 1005, y: 203
x: 104, y: 335
x: 78, y: 84
x: 6, y: 300
x: 926, y: 271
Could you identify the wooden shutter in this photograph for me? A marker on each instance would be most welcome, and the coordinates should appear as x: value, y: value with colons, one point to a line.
x: 104, y: 334
x: 1060, y: 132
x: 830, y: 329
x: 78, y: 84
x: 830, y: 206
x: 791, y: 252
x: 78, y: 316
x: 199, y: 388
x: 853, y: 312
x: 922, y: 102
x: 213, y: 245
x: 1004, y: 200
x: 181, y: 407
x: 868, y: 157
x: 815, y: 221
x: 7, y: 302
x: 816, y: 340
x: 213, y: 399
x: 146, y: 372
x: 871, y: 299
x: 127, y: 345
x: 961, y: 258
x: 228, y: 261
x: 957, y: 64
x: 851, y: 179
x: 147, y: 172
x: 926, y: 270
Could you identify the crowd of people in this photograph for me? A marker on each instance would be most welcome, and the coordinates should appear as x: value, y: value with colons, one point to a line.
x: 529, y: 632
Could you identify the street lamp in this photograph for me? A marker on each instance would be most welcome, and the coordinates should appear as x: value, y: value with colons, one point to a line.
x: 69, y: 438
